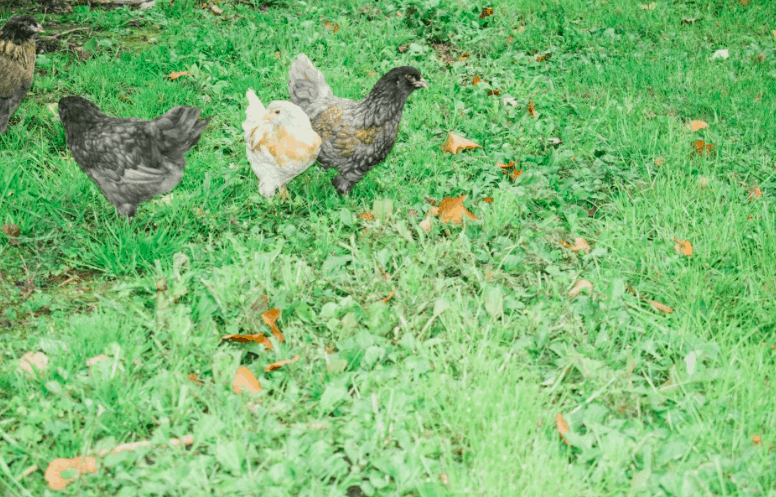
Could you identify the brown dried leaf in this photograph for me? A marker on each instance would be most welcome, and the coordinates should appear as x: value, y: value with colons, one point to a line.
x: 701, y: 147
x: 389, y: 297
x: 12, y: 232
x: 509, y: 101
x: 476, y: 80
x: 404, y: 48
x: 579, y: 244
x: 486, y: 12
x: 36, y: 360
x: 244, y: 379
x: 660, y: 161
x: 455, y: 144
x: 578, y: 286
x: 660, y: 307
x: 58, y: 466
x: 488, y: 200
x: 683, y: 247
x: 216, y: 10
x: 562, y: 427
x: 270, y: 317
x: 755, y: 192
x: 366, y: 216
x: 332, y: 27
x: 532, y: 111
x: 177, y: 74
x: 452, y: 210
x: 280, y: 364
x: 696, y: 125
x: 425, y: 225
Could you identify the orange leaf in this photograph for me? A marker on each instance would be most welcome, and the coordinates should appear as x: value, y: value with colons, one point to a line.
x: 452, y: 210
x: 280, y: 364
x: 177, y: 74
x: 389, y: 297
x: 488, y: 200
x: 532, y: 111
x: 455, y: 144
x: 755, y: 193
x: 486, y: 12
x: 683, y: 247
x: 257, y: 337
x: 579, y: 244
x: 544, y: 57
x: 756, y: 440
x: 332, y: 27
x: 562, y: 427
x: 194, y: 377
x: 660, y: 161
x: 367, y: 216
x: 696, y: 125
x: 476, y: 80
x: 515, y: 174
x: 505, y: 166
x: 702, y: 147
x: 495, y: 92
x: 58, y: 466
x: 37, y: 360
x: 579, y: 286
x: 245, y: 379
x: 661, y: 307
x: 270, y: 317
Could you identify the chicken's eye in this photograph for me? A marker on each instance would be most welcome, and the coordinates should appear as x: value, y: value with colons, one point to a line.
x: 277, y: 111
x: 410, y: 78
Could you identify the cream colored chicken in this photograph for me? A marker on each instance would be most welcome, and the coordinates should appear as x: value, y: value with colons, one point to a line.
x: 280, y: 142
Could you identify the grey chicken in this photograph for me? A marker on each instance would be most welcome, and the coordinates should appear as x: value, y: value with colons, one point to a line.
x: 131, y: 160
x: 17, y: 62
x: 356, y: 135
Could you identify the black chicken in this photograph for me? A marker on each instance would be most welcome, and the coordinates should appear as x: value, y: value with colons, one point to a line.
x: 356, y: 135
x: 131, y: 160
x: 17, y: 61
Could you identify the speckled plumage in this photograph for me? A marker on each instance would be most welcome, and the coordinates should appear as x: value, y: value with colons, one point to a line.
x: 17, y: 63
x: 131, y: 160
x: 356, y: 135
x: 279, y: 142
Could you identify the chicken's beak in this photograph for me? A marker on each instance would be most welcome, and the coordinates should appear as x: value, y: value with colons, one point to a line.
x: 420, y: 84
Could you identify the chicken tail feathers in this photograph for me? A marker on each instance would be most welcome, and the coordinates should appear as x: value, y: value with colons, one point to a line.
x: 307, y: 85
x: 178, y: 130
x: 253, y: 113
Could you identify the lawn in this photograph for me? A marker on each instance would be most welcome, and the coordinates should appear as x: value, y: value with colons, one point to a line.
x: 436, y: 360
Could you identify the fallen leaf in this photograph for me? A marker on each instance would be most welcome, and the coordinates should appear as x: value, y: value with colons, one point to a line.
x: 696, y: 125
x: 760, y: 57
x: 332, y: 27
x: 755, y: 193
x: 404, y: 48
x: 532, y: 111
x: 177, y: 74
x: 578, y: 286
x: 455, y: 144
x: 12, y: 232
x: 579, y: 244
x: 701, y: 147
x: 194, y: 378
x: 544, y: 57
x: 217, y: 11
x: 689, y: 20
x: 244, y: 379
x: 683, y: 247
x: 703, y: 182
x: 720, y: 54
x: 488, y: 200
x: 58, y: 466
x: 452, y: 210
x: 444, y: 480
x: 486, y: 12
x: 649, y: 6
x: 661, y: 307
x: 37, y: 360
x: 94, y: 360
x: 660, y: 161
x: 476, y: 80
x: 744, y: 3
x: 280, y: 364
x: 256, y: 337
x: 389, y: 297
x: 509, y: 101
x: 495, y: 92
x: 425, y: 225
x: 270, y: 317
x: 562, y: 427
x: 756, y: 440
x: 367, y: 216
x: 126, y: 99
x: 555, y: 142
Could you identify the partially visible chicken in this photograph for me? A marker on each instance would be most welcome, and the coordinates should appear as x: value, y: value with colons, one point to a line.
x: 279, y: 141
x: 356, y: 135
x: 17, y: 61
x: 130, y: 160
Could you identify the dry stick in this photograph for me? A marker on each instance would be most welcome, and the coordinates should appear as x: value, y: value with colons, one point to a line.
x: 63, y: 33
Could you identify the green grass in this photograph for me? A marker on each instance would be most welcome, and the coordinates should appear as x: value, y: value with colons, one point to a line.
x: 464, y: 370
